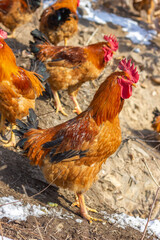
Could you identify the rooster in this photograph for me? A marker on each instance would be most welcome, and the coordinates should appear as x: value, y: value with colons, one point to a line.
x: 145, y: 5
x: 16, y: 12
x: 18, y: 88
x: 71, y: 154
x: 69, y: 67
x: 59, y: 21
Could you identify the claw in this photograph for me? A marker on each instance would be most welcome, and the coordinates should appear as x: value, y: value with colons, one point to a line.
x: 76, y: 204
x: 77, y: 110
x: 77, y: 107
x: 83, y: 209
x: 58, y: 104
x: 12, y: 35
x: 61, y: 109
x: 12, y: 141
x: 91, y: 219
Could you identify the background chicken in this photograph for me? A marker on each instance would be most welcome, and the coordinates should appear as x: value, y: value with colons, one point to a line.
x: 69, y: 67
x: 156, y: 121
x: 16, y: 12
x: 72, y: 153
x: 59, y: 21
x: 18, y: 87
x: 145, y: 5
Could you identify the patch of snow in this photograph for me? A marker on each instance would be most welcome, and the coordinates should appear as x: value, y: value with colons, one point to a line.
x: 122, y: 220
x: 5, y: 238
x: 135, y: 33
x: 15, y: 210
x: 79, y: 220
x: 136, y: 50
x: 47, y: 3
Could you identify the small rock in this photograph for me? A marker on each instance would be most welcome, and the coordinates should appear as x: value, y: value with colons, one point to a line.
x: 154, y: 93
x: 156, y: 79
x: 143, y: 85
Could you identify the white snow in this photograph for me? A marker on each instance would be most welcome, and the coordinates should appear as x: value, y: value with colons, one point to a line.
x: 47, y: 3
x: 5, y: 238
x: 122, y: 220
x: 135, y: 33
x: 15, y: 210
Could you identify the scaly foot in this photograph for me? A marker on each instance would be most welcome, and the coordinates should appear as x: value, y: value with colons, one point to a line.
x: 65, y: 41
x: 77, y: 108
x: 12, y: 141
x: 59, y: 107
x: 76, y: 204
x: 83, y: 209
x: 91, y: 219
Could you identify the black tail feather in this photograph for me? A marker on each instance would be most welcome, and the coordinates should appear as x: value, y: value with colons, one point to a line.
x: 33, y: 4
x: 48, y: 92
x: 39, y: 38
x: 32, y: 119
x: 32, y: 122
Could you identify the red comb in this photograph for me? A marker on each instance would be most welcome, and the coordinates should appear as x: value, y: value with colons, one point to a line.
x: 78, y: 1
x: 113, y: 41
x: 127, y: 67
x: 3, y: 34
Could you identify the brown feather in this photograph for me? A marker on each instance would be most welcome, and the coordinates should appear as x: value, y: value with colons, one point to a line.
x: 95, y: 132
x: 14, y: 13
x: 57, y: 33
x: 18, y: 87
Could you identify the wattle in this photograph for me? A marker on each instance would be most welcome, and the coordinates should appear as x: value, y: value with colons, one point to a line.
x: 126, y: 89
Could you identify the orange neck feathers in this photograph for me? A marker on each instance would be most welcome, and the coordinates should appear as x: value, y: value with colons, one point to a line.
x: 71, y: 4
x: 107, y: 102
x: 7, y: 61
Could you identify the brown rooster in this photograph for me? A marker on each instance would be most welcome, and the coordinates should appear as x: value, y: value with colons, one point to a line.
x: 59, y: 21
x: 145, y: 5
x: 16, y: 12
x: 18, y: 87
x: 72, y: 153
x: 69, y: 67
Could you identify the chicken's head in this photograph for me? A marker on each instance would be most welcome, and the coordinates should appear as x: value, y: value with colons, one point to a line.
x: 110, y: 47
x: 128, y: 79
x: 3, y: 35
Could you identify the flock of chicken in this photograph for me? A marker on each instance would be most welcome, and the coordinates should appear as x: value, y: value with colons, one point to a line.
x: 70, y: 154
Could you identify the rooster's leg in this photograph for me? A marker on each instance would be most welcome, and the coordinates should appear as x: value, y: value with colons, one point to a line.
x: 12, y: 35
x: 65, y: 41
x: 77, y: 107
x: 58, y: 103
x: 76, y: 204
x: 2, y: 126
x: 12, y: 141
x: 94, y: 83
x: 83, y: 209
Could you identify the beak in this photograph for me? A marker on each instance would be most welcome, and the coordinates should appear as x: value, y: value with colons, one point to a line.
x: 134, y: 85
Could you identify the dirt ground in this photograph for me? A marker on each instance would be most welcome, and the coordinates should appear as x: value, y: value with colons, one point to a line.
x: 127, y: 182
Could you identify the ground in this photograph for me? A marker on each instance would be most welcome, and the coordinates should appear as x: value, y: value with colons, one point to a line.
x: 127, y: 182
